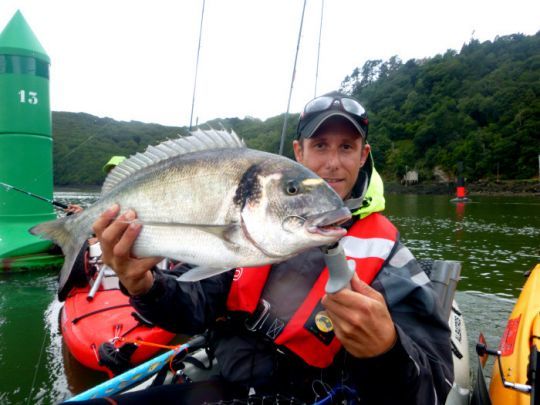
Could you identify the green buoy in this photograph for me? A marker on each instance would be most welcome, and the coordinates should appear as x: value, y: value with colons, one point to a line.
x: 25, y: 146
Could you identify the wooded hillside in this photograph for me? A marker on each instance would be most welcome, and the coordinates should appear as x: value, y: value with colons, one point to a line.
x: 480, y: 106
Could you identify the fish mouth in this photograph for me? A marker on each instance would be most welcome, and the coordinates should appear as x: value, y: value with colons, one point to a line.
x: 328, y: 223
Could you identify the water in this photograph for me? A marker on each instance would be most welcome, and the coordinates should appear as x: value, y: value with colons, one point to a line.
x: 30, y: 352
x: 496, y: 238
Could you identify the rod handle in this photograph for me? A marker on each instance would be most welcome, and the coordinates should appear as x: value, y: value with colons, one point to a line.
x: 59, y: 204
x: 339, y: 270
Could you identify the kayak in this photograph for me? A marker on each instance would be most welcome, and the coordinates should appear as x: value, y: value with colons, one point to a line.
x: 521, y: 335
x: 99, y: 326
x: 87, y: 325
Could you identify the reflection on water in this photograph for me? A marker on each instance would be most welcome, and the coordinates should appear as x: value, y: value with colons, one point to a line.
x: 29, y: 369
x: 495, y: 238
x: 55, y: 387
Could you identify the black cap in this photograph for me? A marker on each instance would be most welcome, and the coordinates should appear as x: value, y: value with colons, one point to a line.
x: 311, y: 121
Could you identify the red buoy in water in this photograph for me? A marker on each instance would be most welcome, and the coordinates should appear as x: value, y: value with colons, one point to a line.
x: 461, y: 193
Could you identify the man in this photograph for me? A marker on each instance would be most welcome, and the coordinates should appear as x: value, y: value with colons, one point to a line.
x: 275, y: 329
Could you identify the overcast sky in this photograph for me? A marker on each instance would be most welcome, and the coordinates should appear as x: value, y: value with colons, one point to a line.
x: 135, y: 60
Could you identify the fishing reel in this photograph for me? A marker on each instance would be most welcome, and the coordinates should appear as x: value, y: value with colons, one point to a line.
x: 184, y: 366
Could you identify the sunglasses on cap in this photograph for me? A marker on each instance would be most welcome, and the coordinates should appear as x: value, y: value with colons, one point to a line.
x: 324, y: 103
x: 350, y: 106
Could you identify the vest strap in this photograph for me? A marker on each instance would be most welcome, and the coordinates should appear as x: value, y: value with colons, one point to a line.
x: 263, y: 321
x: 245, y: 296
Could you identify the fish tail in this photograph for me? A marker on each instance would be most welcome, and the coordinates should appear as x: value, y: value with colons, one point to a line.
x: 65, y: 232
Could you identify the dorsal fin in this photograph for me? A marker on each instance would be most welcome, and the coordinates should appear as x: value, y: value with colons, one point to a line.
x: 199, y: 140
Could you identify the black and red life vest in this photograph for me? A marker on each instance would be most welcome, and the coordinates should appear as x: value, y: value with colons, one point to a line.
x: 369, y: 243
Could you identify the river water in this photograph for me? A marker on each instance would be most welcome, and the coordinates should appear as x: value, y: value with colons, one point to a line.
x: 496, y: 239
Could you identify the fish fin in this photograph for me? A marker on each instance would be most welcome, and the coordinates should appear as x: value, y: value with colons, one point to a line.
x: 199, y: 140
x: 225, y: 232
x: 70, y: 242
x: 233, y: 234
x: 200, y: 273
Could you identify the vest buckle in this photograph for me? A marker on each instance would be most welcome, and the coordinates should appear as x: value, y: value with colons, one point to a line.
x: 259, y: 316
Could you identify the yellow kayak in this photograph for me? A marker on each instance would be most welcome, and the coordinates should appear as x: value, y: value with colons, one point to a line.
x: 522, y: 331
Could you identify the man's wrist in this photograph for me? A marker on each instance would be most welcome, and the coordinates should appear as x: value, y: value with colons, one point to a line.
x: 389, y: 356
x: 141, y: 286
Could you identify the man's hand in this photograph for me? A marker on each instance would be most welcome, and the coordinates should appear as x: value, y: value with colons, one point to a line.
x: 361, y: 320
x: 116, y: 237
x: 73, y: 209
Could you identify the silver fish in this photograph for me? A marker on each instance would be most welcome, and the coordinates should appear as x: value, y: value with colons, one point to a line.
x: 208, y: 200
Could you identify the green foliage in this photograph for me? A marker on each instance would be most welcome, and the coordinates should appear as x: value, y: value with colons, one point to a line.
x: 480, y: 106
x: 84, y: 143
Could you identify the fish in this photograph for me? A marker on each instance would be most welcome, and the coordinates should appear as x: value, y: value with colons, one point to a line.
x: 208, y: 200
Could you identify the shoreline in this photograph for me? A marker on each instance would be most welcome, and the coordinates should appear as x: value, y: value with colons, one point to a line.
x: 522, y: 188
x: 78, y: 188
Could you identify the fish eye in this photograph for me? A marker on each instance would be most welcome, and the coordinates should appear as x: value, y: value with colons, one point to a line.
x: 292, y: 187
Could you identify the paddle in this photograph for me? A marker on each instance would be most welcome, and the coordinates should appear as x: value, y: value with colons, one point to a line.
x: 9, y: 187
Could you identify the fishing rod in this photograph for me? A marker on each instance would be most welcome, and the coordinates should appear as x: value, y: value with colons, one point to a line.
x: 9, y: 187
x: 319, y: 49
x: 196, y: 67
x: 143, y: 371
x: 139, y: 373
x: 284, y: 129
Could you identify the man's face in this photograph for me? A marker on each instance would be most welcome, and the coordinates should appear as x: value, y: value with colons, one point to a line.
x: 336, y: 153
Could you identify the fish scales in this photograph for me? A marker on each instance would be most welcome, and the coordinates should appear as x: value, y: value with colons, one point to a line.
x: 183, y: 190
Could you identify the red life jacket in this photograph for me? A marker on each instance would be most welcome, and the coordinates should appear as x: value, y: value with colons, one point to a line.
x: 369, y: 243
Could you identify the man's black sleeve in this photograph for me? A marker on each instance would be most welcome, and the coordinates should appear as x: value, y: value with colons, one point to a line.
x: 418, y: 369
x: 184, y: 307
